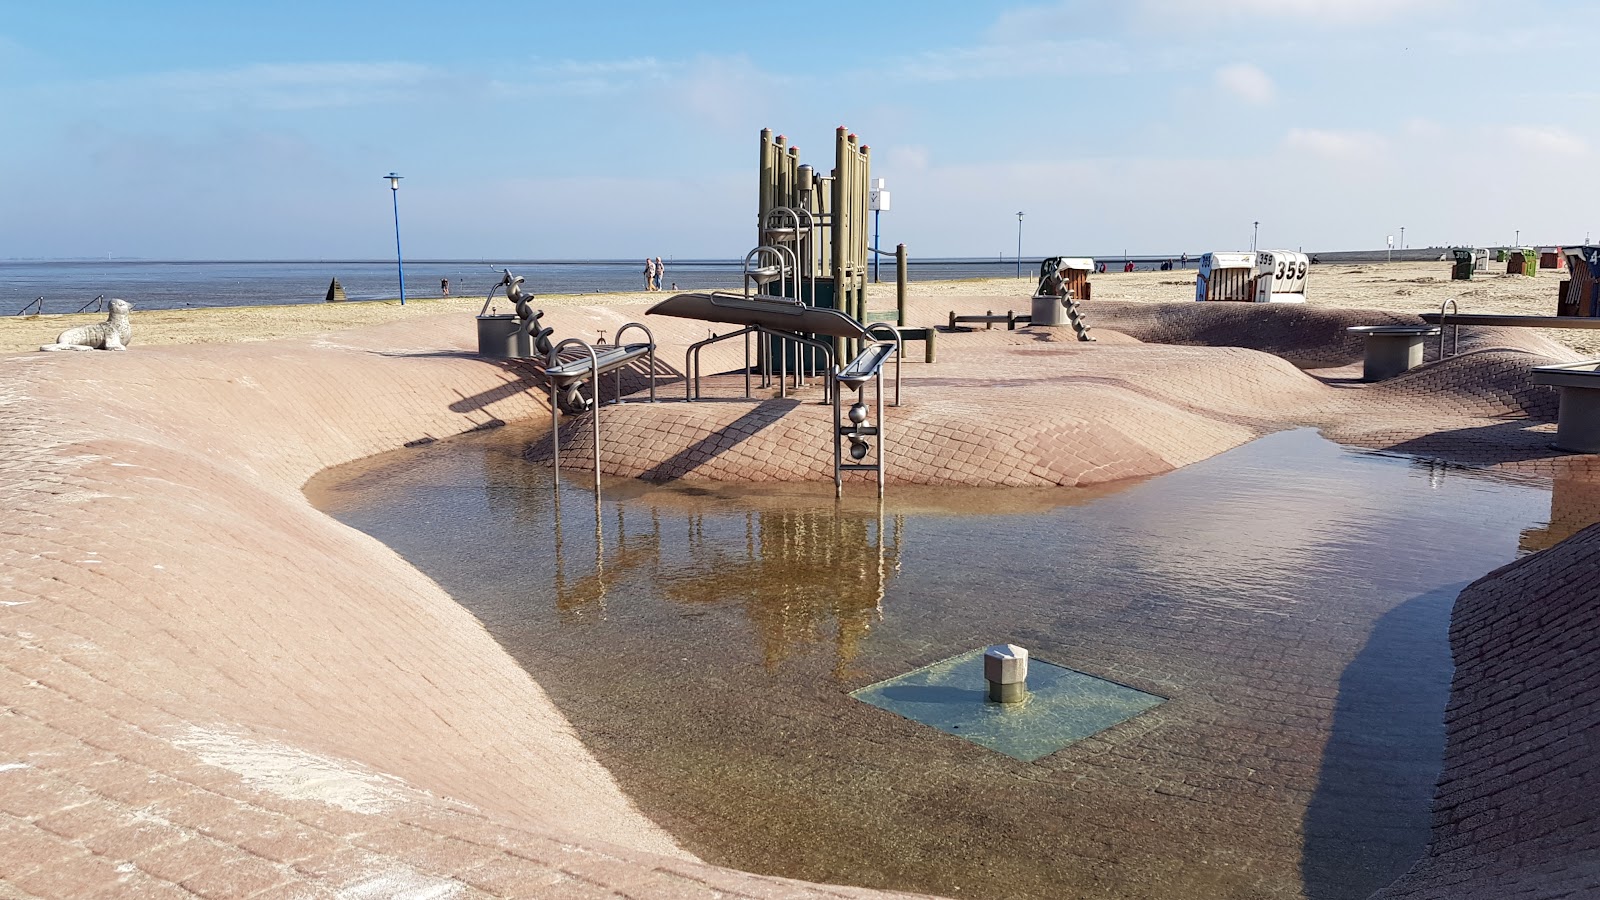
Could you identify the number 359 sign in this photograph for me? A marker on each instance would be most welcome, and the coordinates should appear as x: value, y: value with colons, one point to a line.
x: 1280, y: 276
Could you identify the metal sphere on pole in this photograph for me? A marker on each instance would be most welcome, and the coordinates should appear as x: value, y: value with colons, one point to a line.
x: 1019, y: 243
x: 399, y: 260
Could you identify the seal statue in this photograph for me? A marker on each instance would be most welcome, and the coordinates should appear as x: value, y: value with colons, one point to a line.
x: 112, y: 334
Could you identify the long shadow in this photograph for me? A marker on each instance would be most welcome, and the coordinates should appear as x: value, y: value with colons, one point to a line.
x: 712, y: 446
x: 1369, y: 819
x: 1505, y: 440
x: 526, y: 375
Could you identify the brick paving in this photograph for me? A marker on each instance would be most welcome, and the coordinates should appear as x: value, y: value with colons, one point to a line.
x: 185, y: 638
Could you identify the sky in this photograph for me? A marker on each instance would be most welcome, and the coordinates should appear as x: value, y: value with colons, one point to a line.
x: 206, y: 130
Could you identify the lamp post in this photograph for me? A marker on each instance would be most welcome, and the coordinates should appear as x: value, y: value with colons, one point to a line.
x: 1255, y: 231
x: 1402, y: 238
x: 399, y: 260
x: 1019, y: 243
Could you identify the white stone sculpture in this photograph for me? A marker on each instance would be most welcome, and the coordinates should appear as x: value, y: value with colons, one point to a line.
x: 112, y: 334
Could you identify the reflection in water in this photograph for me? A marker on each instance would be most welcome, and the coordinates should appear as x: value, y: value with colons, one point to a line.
x: 797, y: 570
x: 1574, y: 506
x: 703, y: 640
x: 794, y: 572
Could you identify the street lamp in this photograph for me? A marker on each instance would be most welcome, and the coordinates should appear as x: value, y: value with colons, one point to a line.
x: 399, y: 261
x: 1019, y: 243
x: 877, y: 201
x: 1255, y: 231
x: 1402, y: 237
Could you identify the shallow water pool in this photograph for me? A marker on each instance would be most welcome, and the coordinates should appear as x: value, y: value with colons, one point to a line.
x: 1289, y: 600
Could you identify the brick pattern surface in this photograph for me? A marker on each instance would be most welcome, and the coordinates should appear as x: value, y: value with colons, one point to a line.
x: 210, y: 689
x: 185, y: 638
x: 1518, y: 811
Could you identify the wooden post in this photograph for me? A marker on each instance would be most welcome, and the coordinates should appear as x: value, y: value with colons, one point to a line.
x: 900, y: 284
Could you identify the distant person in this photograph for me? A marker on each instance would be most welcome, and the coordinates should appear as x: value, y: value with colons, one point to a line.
x: 1127, y: 266
x: 1185, y: 259
x: 649, y: 274
x: 661, y: 269
x: 444, y: 287
x: 674, y: 285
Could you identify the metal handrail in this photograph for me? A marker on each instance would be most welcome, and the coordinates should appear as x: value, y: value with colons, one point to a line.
x: 38, y: 305
x: 899, y: 351
x: 1455, y: 330
x: 618, y: 338
x: 555, y: 413
x: 691, y: 362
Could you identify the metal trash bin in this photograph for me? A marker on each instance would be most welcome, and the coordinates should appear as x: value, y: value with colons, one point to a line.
x: 497, y: 336
x: 1462, y: 270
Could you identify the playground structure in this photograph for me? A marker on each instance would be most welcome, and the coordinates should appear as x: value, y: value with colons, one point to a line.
x: 568, y: 365
x: 1226, y: 276
x: 816, y: 224
x: 1063, y: 281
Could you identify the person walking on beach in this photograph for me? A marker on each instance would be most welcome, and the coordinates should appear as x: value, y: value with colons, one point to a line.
x: 649, y: 274
x: 661, y: 269
x: 444, y: 287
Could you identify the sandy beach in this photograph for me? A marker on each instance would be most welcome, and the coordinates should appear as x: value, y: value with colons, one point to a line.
x: 1402, y: 287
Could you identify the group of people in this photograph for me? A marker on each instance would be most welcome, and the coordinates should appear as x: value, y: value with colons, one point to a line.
x: 653, y: 270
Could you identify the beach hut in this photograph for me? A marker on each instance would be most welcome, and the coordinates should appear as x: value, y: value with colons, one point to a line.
x: 1552, y: 258
x: 1280, y: 276
x: 1465, y: 264
x: 1522, y: 261
x: 1580, y: 294
x: 1075, y: 276
x: 1226, y: 276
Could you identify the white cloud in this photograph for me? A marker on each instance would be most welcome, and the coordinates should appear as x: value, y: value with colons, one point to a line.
x: 1247, y: 82
x: 297, y: 86
x: 1026, y: 59
x: 1337, y: 146
x: 906, y: 158
x: 1330, y: 11
x: 1546, y: 139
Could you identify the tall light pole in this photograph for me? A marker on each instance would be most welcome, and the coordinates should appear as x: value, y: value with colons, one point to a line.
x: 1402, y: 237
x: 1255, y: 231
x: 877, y: 201
x: 1019, y: 243
x: 399, y: 261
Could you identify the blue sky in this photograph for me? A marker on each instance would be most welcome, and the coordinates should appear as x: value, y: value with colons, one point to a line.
x: 262, y: 131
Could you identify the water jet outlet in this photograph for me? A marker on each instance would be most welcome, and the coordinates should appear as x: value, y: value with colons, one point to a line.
x: 1005, y: 667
